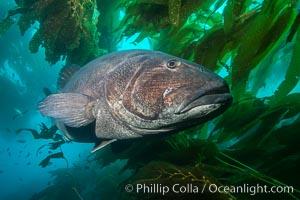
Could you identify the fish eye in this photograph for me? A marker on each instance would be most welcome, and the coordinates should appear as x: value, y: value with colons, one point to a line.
x: 173, y: 63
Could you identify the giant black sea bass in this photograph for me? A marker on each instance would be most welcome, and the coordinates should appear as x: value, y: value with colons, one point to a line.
x: 132, y: 94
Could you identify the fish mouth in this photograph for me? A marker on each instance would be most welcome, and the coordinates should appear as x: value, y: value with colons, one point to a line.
x: 218, y: 95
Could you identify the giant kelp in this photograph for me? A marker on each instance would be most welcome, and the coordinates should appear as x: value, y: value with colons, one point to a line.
x: 248, y: 29
x: 256, y: 140
x: 66, y: 28
x: 254, y: 130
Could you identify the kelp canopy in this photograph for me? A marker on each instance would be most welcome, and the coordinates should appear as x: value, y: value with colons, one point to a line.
x: 65, y: 28
x: 255, y: 45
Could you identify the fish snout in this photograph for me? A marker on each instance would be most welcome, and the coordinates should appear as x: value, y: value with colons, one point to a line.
x: 215, y: 91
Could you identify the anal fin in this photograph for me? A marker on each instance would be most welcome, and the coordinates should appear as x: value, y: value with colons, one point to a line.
x: 102, y: 144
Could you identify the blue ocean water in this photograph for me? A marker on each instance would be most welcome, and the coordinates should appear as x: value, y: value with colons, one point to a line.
x: 23, y: 76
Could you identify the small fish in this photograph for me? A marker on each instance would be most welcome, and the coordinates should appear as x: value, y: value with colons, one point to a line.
x: 8, y: 130
x: 19, y: 113
x: 27, y: 155
x: 133, y: 94
x: 21, y: 141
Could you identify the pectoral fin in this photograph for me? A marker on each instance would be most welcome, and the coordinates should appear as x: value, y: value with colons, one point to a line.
x: 73, y: 109
x: 102, y: 144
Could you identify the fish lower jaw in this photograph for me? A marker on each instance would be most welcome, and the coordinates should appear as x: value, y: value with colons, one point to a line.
x: 205, y: 100
x: 200, y: 111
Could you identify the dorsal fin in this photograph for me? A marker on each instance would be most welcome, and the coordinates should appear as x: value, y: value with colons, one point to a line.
x: 65, y: 74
